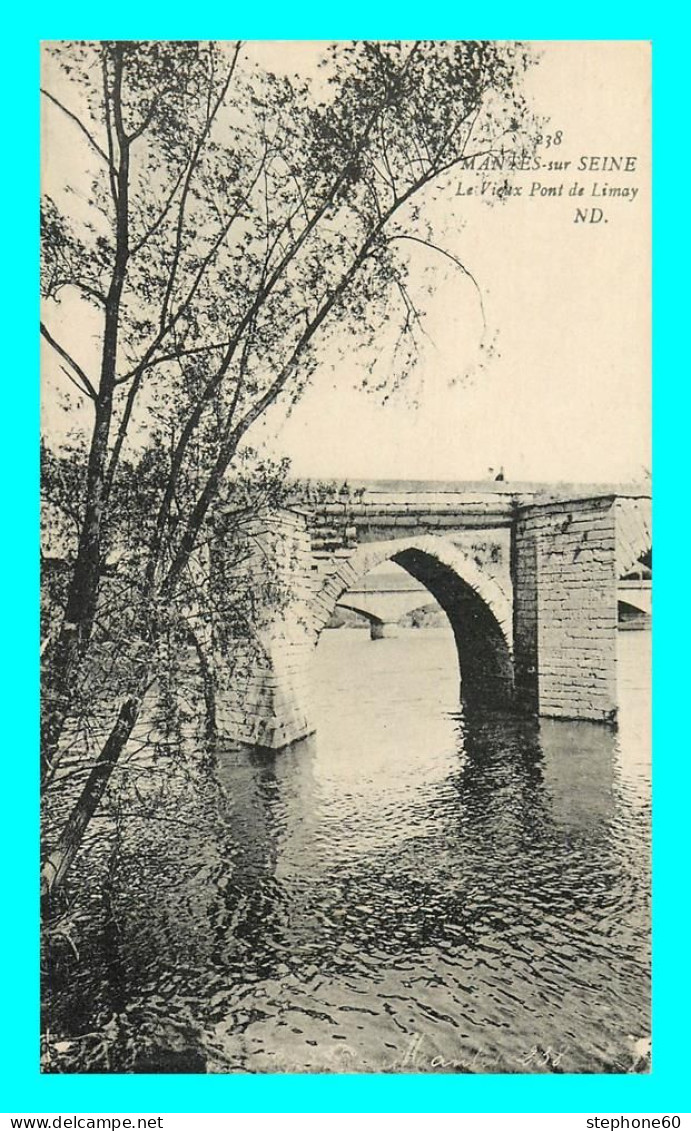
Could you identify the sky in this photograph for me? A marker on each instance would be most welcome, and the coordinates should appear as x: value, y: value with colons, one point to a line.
x: 563, y: 392
x: 566, y: 394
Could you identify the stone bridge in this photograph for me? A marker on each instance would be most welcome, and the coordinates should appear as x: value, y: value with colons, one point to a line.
x: 529, y: 576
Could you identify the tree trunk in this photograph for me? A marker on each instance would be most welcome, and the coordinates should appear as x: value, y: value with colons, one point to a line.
x: 62, y: 662
x: 208, y: 686
x: 58, y: 862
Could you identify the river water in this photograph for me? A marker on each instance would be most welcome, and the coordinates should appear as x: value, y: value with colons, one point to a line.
x: 410, y: 890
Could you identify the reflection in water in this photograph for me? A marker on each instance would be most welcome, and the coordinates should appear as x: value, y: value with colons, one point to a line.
x: 413, y: 889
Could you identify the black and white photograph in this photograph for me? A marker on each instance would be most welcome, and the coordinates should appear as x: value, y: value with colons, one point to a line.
x: 346, y: 557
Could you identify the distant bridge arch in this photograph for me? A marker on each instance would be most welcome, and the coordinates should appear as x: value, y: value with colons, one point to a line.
x: 381, y: 605
x: 634, y: 602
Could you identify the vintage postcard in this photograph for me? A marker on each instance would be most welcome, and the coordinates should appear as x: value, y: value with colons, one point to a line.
x: 346, y: 557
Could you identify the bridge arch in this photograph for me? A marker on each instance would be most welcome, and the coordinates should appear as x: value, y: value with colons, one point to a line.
x: 356, y: 606
x: 478, y: 609
x: 634, y: 560
x: 632, y: 603
x: 382, y: 611
x: 634, y: 537
x: 632, y: 616
x: 376, y: 623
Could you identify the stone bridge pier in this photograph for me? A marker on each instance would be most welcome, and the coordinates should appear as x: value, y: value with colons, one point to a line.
x: 263, y: 639
x: 383, y: 629
x: 534, y: 616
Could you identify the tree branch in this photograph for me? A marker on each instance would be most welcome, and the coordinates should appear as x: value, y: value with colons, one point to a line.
x: 88, y: 387
x: 162, y: 214
x: 58, y: 284
x: 442, y: 251
x: 79, y: 123
x: 185, y: 188
x: 76, y: 384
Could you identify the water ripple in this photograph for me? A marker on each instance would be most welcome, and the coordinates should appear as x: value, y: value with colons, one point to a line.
x: 414, y: 890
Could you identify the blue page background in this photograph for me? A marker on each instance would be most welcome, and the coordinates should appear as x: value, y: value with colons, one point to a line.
x: 24, y: 1089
